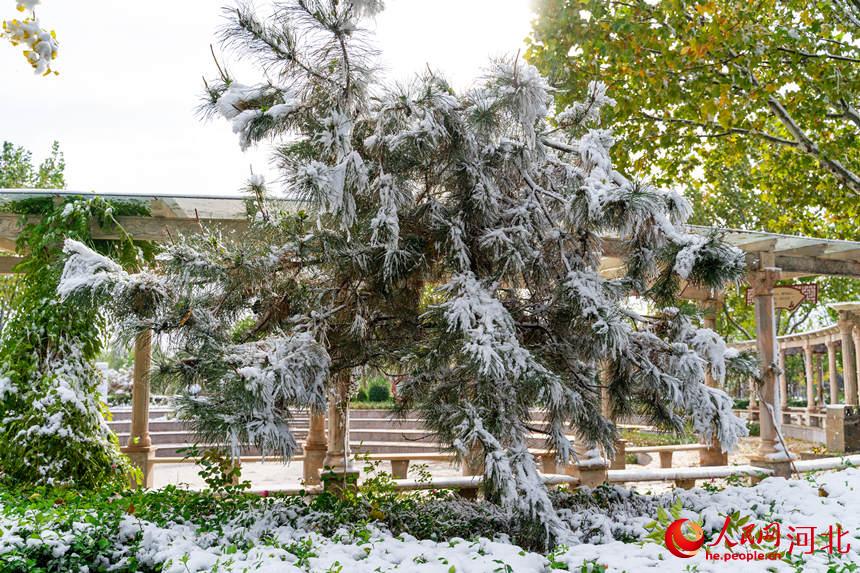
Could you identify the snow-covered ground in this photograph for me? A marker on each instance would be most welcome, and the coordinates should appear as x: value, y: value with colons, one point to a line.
x: 269, y: 545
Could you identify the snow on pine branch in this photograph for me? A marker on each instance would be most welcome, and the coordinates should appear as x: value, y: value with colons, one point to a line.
x: 276, y: 373
x: 587, y: 111
x: 291, y: 368
x: 87, y: 270
x: 490, y: 337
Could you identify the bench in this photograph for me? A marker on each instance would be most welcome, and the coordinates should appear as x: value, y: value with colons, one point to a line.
x: 686, y: 477
x: 400, y: 462
x: 666, y: 452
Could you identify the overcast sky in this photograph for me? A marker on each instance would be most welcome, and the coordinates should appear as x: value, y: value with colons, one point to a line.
x: 123, y: 105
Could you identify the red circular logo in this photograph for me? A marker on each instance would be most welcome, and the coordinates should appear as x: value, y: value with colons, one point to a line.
x: 679, y: 544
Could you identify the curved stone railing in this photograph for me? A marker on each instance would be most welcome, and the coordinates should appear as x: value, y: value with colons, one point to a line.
x: 825, y: 335
x: 843, y: 338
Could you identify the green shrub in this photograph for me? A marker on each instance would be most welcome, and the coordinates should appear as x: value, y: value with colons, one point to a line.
x: 742, y: 403
x: 388, y: 405
x: 53, y: 430
x: 361, y: 396
x: 754, y: 428
x: 378, y: 393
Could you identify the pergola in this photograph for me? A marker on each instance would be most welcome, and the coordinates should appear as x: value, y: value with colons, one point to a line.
x: 770, y: 257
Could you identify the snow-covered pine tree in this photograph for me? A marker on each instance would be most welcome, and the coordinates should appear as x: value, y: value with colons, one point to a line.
x: 453, y: 238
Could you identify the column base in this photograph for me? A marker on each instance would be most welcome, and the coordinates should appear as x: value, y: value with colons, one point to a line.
x: 780, y: 468
x: 590, y: 475
x: 338, y: 482
x: 313, y: 463
x: 142, y: 458
x: 593, y: 476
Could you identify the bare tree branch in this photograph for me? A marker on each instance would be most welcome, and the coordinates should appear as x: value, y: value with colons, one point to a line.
x: 736, y: 324
x: 723, y: 131
x: 805, y: 144
x: 826, y: 55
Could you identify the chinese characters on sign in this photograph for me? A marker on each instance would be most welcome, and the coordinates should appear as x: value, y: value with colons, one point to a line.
x: 788, y: 297
x: 741, y: 541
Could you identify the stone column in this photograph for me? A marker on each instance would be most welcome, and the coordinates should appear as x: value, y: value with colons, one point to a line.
x: 832, y: 373
x: 753, y: 397
x: 856, y: 336
x: 139, y: 446
x: 315, y: 448
x: 819, y: 382
x: 714, y: 455
x: 339, y: 471
x: 783, y: 380
x: 770, y: 453
x: 809, y: 369
x: 849, y: 364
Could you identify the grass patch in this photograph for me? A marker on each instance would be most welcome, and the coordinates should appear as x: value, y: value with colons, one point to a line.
x: 646, y: 438
x: 387, y: 405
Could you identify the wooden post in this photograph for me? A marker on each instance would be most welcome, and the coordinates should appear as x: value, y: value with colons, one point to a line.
x: 339, y: 472
x: 833, y: 380
x: 770, y: 453
x: 849, y: 364
x: 139, y: 447
x: 714, y: 455
x: 315, y: 448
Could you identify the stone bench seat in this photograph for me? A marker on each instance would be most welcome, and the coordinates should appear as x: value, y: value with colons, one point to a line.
x: 665, y: 452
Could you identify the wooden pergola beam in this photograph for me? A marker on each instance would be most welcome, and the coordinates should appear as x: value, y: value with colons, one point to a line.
x: 7, y: 264
x: 817, y: 266
x: 159, y: 229
x: 163, y: 229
